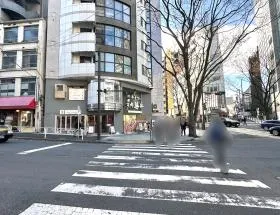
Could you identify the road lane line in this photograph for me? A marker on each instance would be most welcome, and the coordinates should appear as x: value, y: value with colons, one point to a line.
x: 171, y: 178
x: 158, y: 150
x: 136, y: 158
x: 158, y: 154
x: 42, y: 149
x: 144, y: 145
x: 38, y: 208
x: 161, y: 167
x: 154, y: 147
x: 171, y: 195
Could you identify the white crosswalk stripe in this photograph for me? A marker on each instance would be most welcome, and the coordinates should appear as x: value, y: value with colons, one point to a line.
x: 170, y: 178
x: 148, y: 163
x: 139, y: 158
x: 167, y: 154
x: 39, y: 209
x: 171, y: 195
x: 161, y: 167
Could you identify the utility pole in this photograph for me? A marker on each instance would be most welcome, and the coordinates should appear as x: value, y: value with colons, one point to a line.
x: 203, y: 120
x: 98, y: 121
x: 275, y: 103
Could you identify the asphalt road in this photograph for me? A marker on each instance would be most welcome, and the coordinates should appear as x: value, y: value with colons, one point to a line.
x: 159, y: 181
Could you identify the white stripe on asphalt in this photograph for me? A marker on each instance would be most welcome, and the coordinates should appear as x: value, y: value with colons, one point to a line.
x: 161, y: 167
x: 38, y: 209
x: 135, y: 158
x: 42, y: 149
x: 158, y: 150
x: 171, y: 178
x: 171, y: 195
x: 154, y: 147
x: 145, y: 145
x: 159, y: 154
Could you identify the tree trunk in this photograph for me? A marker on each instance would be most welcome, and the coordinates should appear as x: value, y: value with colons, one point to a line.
x: 192, y: 122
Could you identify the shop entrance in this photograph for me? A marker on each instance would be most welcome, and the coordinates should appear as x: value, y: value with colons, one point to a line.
x: 107, y: 120
x: 69, y: 123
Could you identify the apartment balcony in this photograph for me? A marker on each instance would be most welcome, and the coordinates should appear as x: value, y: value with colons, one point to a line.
x: 15, y: 9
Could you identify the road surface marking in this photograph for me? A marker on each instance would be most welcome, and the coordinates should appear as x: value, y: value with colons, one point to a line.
x: 159, y: 154
x: 171, y: 178
x: 154, y: 147
x: 42, y: 149
x: 159, y: 150
x: 171, y: 195
x: 161, y: 167
x: 172, y: 160
x: 144, y: 145
x: 38, y: 208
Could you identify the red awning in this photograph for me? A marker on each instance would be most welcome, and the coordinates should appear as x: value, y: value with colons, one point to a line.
x: 17, y: 103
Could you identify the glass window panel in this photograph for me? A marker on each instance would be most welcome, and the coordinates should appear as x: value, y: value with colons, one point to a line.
x: 11, y: 35
x: 109, y: 30
x: 9, y: 59
x: 109, y: 13
x: 29, y: 59
x: 126, y: 18
x: 102, y: 56
x: 118, y: 15
x: 109, y: 3
x: 24, y: 86
x: 119, y: 32
x: 126, y: 34
x: 126, y: 44
x: 126, y: 9
x: 127, y: 60
x: 127, y: 70
x: 109, y: 67
x: 109, y: 40
x: 118, y: 6
x: 119, y: 59
x: 119, y: 42
x: 31, y: 33
x: 119, y: 68
x: 110, y: 57
x: 99, y: 29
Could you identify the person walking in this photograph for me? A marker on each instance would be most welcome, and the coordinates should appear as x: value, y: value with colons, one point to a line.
x: 183, y: 127
x: 245, y: 121
x: 219, y: 138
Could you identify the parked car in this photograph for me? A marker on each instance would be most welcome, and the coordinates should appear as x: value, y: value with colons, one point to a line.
x: 275, y: 130
x: 5, y: 133
x: 230, y: 122
x: 266, y: 125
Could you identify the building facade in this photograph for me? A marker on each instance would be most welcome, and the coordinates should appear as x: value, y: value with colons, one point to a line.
x: 108, y: 37
x: 22, y: 64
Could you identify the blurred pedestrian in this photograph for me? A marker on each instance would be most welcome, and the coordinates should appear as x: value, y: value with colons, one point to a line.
x: 183, y: 124
x: 245, y: 121
x: 219, y: 138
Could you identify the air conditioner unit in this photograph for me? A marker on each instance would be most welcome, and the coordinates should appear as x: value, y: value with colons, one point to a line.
x: 60, y: 91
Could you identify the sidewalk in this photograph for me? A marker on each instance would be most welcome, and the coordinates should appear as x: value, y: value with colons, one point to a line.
x: 110, y: 139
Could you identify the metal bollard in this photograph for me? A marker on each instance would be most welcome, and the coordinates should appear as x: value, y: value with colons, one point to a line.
x: 82, y: 133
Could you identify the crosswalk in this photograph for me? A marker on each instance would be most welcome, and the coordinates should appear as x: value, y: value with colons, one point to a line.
x: 145, y: 175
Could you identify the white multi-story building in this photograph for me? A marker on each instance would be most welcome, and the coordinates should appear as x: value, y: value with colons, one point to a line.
x: 85, y: 38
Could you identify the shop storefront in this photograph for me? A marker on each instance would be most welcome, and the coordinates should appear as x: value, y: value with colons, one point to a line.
x: 18, y: 111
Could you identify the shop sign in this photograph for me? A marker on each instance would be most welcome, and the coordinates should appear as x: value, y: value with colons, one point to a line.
x: 76, y: 94
x: 74, y: 112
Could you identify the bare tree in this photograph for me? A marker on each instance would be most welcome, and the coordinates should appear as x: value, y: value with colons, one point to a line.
x: 263, y: 81
x: 195, y: 26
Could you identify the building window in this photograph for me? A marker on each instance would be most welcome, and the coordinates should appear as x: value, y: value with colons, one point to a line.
x: 84, y: 30
x: 112, y: 36
x: 11, y: 35
x: 31, y: 33
x: 113, y: 9
x: 9, y: 60
x: 7, y: 87
x: 28, y: 86
x: 114, y: 63
x: 29, y: 59
x: 85, y: 59
x: 146, y: 71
